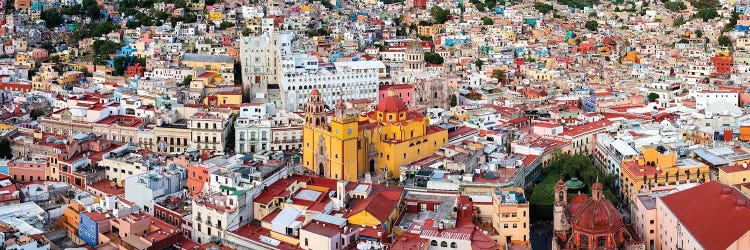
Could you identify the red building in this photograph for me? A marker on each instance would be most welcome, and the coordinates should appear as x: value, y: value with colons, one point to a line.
x: 136, y: 69
x: 173, y: 212
x: 420, y: 4
x: 723, y: 64
x: 16, y: 86
x: 584, y: 222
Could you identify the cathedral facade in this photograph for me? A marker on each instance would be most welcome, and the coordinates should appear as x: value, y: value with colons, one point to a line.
x: 346, y: 145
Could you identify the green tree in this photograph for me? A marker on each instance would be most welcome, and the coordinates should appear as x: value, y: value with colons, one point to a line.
x: 453, y: 100
x: 433, y: 58
x: 591, y: 25
x: 500, y: 75
x: 186, y: 81
x: 101, y: 28
x: 652, y: 97
x: 35, y: 113
x: 52, y: 18
x: 725, y: 41
x: 225, y: 25
x: 121, y: 64
x: 48, y: 47
x: 439, y: 15
x: 6, y: 152
x: 678, y: 21
x: 246, y: 32
x: 479, y: 63
x: 92, y: 9
x: 487, y: 21
x: 675, y: 6
x: 707, y: 13
x: 542, y: 7
x: 699, y: 33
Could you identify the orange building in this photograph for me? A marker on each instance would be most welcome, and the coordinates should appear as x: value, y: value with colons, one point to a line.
x: 71, y: 217
x: 198, y: 178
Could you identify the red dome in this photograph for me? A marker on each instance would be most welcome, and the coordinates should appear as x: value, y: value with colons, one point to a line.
x: 315, y: 92
x: 391, y: 104
x: 596, y: 215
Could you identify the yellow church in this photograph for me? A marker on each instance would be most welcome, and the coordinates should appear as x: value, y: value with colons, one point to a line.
x: 346, y: 146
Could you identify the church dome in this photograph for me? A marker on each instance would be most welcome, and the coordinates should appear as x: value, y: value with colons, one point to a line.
x: 414, y: 47
x: 315, y: 92
x: 596, y: 215
x: 391, y: 104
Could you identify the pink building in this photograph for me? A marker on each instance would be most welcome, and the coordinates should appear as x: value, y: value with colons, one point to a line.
x: 403, y: 91
x: 39, y: 54
x: 709, y: 216
x: 149, y: 230
x: 28, y: 170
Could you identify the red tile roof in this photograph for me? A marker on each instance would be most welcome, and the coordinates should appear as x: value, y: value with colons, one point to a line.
x: 585, y: 128
x: 255, y: 232
x: 324, y: 229
x: 718, y: 220
x: 380, y: 203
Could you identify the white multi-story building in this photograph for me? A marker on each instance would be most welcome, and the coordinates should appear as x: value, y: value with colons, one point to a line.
x: 350, y: 80
x: 611, y: 152
x: 222, y: 212
x: 704, y: 98
x: 146, y: 189
x: 253, y: 128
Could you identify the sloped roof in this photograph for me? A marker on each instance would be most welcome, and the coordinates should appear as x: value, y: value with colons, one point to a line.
x: 727, y: 207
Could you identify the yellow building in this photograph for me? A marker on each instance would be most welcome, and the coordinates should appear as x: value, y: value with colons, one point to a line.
x: 429, y: 30
x: 658, y: 168
x: 233, y: 97
x: 510, y: 217
x: 699, y: 136
x: 345, y: 146
x: 215, y: 16
x: 377, y: 209
x: 734, y: 175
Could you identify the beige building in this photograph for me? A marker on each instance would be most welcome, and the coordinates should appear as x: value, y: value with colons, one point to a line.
x: 511, y: 217
x: 327, y: 232
x: 122, y: 164
x: 734, y: 175
x: 172, y: 138
x: 209, y: 129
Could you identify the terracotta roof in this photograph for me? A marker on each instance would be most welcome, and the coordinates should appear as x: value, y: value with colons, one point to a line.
x: 586, y: 128
x: 323, y: 229
x: 718, y: 220
x: 391, y: 104
x: 380, y: 203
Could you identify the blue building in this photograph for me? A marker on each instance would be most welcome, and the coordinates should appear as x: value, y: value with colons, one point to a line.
x: 88, y: 228
x: 589, y: 103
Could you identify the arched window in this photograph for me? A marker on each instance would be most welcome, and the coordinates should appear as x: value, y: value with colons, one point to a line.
x: 433, y: 243
x: 454, y: 245
x: 444, y: 244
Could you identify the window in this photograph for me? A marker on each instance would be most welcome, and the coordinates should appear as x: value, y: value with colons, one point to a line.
x: 444, y: 244
x: 600, y: 241
x: 433, y: 243
x: 651, y: 222
x: 454, y: 245
x: 584, y: 240
x: 515, y: 225
x: 505, y: 225
x: 306, y: 243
